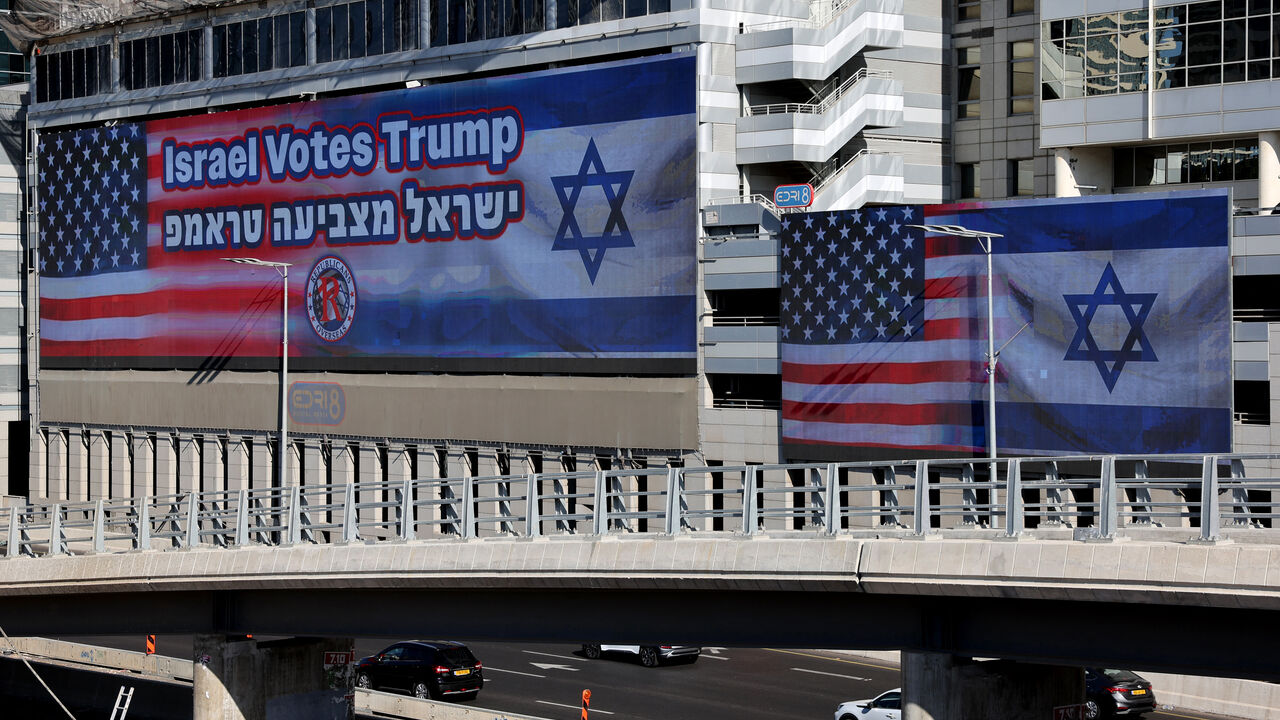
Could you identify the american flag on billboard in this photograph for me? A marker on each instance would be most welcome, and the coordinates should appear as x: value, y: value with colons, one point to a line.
x: 108, y: 287
x: 883, y: 333
x: 93, y: 202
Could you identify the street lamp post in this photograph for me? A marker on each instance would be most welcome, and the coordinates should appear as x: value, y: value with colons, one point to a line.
x: 984, y: 240
x: 282, y: 269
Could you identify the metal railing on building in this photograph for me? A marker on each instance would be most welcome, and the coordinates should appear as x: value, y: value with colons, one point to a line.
x: 818, y: 105
x: 1175, y: 498
x: 821, y: 13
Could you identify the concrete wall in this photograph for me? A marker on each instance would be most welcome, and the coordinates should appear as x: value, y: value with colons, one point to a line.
x: 373, y: 702
x: 545, y: 410
x: 1250, y: 699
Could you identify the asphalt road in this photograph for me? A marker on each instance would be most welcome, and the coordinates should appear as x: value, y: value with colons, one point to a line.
x: 724, y: 684
x: 743, y: 684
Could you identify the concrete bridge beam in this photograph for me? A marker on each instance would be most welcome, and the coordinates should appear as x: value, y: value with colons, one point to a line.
x: 238, y: 678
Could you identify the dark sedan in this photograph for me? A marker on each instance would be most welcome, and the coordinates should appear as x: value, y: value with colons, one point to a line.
x: 1116, y: 692
x: 435, y: 669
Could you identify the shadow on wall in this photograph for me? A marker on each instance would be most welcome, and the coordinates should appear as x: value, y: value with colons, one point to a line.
x: 261, y: 306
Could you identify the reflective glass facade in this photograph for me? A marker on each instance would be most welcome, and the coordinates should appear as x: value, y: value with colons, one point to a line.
x: 1219, y: 161
x: 1203, y: 43
x: 460, y: 21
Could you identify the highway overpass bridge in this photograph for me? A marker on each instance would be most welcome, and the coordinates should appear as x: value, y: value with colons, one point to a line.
x: 1167, y: 563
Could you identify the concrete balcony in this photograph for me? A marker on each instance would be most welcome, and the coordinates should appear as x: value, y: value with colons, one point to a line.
x: 870, y: 177
x: 1255, y: 244
x: 813, y: 132
x: 816, y: 48
x: 743, y: 349
x: 1250, y: 350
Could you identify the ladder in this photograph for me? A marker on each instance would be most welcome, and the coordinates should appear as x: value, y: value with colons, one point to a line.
x: 123, y: 698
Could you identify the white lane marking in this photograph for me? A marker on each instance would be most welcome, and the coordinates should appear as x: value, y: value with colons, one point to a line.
x: 819, y: 672
x: 490, y: 668
x: 573, y: 707
x: 549, y: 666
x: 715, y: 657
x: 713, y: 650
x: 562, y: 657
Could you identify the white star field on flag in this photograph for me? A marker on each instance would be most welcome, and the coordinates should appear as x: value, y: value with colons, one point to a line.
x: 93, y: 204
x: 852, y: 276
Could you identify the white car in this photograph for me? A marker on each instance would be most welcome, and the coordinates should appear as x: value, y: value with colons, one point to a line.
x: 650, y: 655
x: 887, y: 706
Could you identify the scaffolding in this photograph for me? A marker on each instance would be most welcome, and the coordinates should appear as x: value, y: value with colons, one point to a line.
x: 30, y: 22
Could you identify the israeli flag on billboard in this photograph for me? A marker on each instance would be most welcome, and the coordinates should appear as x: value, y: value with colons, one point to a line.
x: 1128, y: 346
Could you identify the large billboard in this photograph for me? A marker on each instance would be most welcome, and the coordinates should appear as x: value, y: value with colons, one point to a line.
x: 543, y: 222
x: 1111, y: 316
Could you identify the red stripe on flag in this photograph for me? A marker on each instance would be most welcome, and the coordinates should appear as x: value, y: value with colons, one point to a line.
x: 963, y: 286
x: 956, y: 413
x: 905, y: 446
x: 948, y: 245
x: 955, y: 329
x: 249, y: 300
x: 886, y: 372
x: 224, y: 346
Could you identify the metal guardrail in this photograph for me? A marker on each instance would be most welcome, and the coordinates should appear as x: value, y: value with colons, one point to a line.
x: 821, y: 13
x: 1102, y: 496
x: 820, y: 179
x: 756, y: 198
x: 744, y: 320
x: 824, y: 103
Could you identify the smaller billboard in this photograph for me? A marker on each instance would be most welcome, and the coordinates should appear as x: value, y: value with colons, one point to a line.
x: 1111, y: 315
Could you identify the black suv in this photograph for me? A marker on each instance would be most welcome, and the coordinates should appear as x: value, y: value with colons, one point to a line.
x: 433, y: 669
x: 1116, y: 692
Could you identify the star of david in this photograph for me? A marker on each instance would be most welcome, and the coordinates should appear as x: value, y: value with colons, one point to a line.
x: 615, y: 233
x: 1135, y: 348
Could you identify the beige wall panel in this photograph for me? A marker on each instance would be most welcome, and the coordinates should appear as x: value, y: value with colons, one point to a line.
x: 572, y: 411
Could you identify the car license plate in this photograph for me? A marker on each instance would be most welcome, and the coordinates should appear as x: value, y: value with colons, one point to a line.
x: 1139, y: 692
x: 461, y: 672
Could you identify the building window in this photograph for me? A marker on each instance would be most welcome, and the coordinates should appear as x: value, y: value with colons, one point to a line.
x: 1220, y: 161
x: 1022, y: 178
x: 460, y: 21
x: 970, y: 180
x: 1020, y: 7
x: 13, y: 66
x: 968, y: 10
x: 364, y: 29
x: 1022, y: 77
x: 969, y: 81
x: 256, y: 45
x: 1201, y: 43
x: 73, y: 73
x: 161, y: 60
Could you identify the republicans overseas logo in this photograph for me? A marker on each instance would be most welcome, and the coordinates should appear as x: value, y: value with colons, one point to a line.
x: 331, y: 298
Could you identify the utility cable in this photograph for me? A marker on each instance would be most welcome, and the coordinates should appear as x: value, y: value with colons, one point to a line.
x: 22, y: 656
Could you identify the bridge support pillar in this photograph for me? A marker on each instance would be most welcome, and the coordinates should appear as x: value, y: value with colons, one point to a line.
x: 213, y: 461
x: 166, y: 464
x: 237, y: 464
x: 77, y: 465
x: 237, y: 678
x: 98, y: 447
x: 38, y: 482
x: 121, y: 466
x: 941, y: 686
x: 189, y: 479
